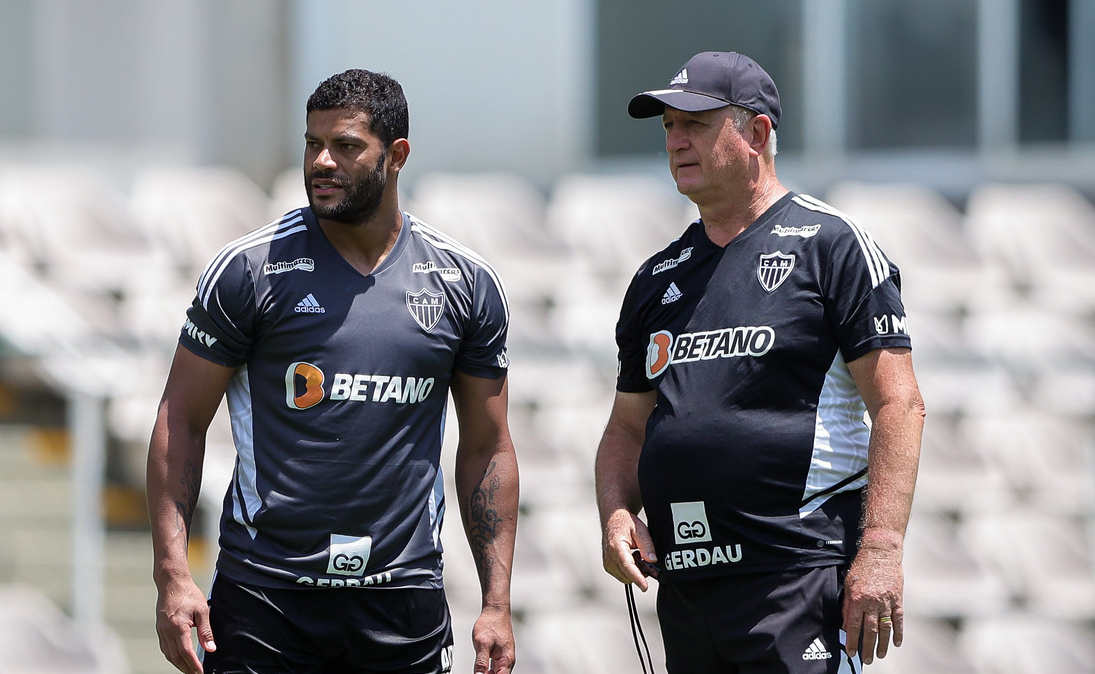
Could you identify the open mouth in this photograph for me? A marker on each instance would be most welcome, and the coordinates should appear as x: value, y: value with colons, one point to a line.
x: 321, y: 186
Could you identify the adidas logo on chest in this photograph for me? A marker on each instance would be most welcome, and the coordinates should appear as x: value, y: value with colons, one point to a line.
x: 672, y: 294
x: 309, y: 305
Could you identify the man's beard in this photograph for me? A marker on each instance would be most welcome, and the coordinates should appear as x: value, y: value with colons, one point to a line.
x: 361, y: 199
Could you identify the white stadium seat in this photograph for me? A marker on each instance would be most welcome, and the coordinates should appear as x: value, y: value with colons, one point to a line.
x: 192, y: 212
x: 1046, y: 559
x: 1016, y: 643
x: 944, y: 578
x: 501, y: 217
x: 1043, y: 235
x: 922, y: 233
x: 612, y: 223
x: 931, y: 647
x: 71, y: 223
x: 1047, y: 459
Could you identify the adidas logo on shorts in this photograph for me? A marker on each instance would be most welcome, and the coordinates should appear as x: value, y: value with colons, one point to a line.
x: 816, y: 651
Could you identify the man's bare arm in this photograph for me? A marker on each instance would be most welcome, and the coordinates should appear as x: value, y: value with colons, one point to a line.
x: 873, y: 594
x: 176, y: 452
x: 487, y: 486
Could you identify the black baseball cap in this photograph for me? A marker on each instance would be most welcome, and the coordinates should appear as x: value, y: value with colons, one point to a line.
x: 710, y: 80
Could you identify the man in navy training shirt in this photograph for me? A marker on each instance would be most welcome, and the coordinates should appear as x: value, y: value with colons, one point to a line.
x: 337, y: 333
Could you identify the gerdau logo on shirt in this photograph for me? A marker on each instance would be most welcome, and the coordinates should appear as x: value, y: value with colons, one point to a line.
x: 306, y: 385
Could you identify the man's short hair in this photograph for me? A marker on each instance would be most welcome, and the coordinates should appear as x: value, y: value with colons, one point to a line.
x: 741, y: 117
x: 376, y: 94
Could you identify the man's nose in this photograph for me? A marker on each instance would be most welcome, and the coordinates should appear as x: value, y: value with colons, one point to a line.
x: 324, y: 159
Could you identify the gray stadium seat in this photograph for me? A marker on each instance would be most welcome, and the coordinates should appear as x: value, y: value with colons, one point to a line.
x: 954, y: 476
x: 192, y: 212
x: 944, y: 579
x: 931, y: 647
x: 922, y: 233
x: 589, y: 637
x: 501, y: 217
x: 1045, y: 559
x: 36, y: 637
x: 1046, y: 458
x: 1044, y: 237
x: 71, y: 224
x: 1028, y: 337
x: 613, y: 222
x: 1016, y: 643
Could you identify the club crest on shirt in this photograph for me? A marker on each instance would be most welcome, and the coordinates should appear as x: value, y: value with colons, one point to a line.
x: 426, y: 307
x: 773, y: 270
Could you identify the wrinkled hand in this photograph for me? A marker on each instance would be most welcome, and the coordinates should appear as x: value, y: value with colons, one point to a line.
x: 492, y: 637
x: 181, y: 607
x: 872, y: 603
x: 624, y: 532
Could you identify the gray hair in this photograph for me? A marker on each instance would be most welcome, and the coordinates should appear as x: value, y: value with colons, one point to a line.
x: 741, y: 118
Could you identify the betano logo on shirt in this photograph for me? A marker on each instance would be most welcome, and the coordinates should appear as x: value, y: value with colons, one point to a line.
x: 304, y: 387
x: 664, y: 349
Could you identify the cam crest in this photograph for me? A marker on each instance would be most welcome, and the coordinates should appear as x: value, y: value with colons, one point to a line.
x: 426, y: 307
x: 773, y: 270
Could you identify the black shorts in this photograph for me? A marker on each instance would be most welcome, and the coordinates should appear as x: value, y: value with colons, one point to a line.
x: 261, y: 630
x: 772, y: 623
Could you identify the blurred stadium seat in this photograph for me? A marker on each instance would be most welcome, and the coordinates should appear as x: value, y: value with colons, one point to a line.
x: 1047, y: 459
x: 931, y: 648
x: 192, y: 212
x: 1017, y: 643
x: 954, y: 476
x: 500, y: 217
x: 611, y: 224
x: 1043, y: 236
x: 70, y: 223
x: 941, y: 270
x: 945, y: 580
x: 1045, y: 559
x: 36, y: 637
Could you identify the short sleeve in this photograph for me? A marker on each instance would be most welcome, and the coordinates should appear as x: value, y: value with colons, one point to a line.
x: 631, y: 377
x: 863, y: 294
x: 483, y: 350
x: 220, y: 324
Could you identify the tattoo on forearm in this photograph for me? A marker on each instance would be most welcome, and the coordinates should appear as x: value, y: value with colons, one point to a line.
x: 184, y: 509
x: 483, y: 521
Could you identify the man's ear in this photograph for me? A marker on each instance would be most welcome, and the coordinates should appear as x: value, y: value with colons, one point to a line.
x: 761, y: 128
x: 398, y: 152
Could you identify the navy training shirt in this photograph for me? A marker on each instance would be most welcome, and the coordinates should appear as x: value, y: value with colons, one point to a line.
x: 339, y: 398
x: 755, y: 454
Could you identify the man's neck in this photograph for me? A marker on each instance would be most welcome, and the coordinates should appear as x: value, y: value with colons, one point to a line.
x: 726, y: 219
x: 365, y: 245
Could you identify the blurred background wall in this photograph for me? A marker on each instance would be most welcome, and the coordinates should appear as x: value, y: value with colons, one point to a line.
x: 137, y: 137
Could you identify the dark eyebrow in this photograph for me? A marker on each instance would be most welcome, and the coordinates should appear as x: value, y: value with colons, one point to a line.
x: 355, y: 140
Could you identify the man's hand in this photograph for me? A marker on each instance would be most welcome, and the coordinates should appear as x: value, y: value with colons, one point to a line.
x: 872, y: 603
x: 181, y: 607
x: 492, y: 637
x: 623, y: 534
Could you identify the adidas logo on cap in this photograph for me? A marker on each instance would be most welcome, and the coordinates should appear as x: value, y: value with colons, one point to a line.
x: 680, y: 78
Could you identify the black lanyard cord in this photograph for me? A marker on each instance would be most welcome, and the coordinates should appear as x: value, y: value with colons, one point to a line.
x: 637, y: 630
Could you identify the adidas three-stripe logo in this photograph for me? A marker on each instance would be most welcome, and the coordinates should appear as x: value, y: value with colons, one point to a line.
x: 816, y: 651
x: 672, y: 294
x: 309, y: 305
